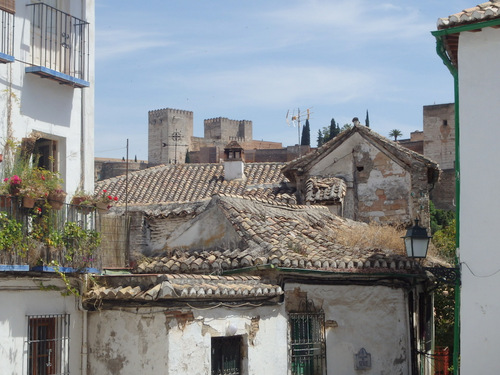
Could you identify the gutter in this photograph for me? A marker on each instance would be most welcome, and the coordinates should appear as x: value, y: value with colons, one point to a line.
x: 440, y: 35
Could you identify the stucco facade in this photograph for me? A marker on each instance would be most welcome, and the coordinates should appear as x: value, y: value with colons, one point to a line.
x: 61, y: 115
x: 41, y: 297
x: 386, y: 183
x: 471, y: 41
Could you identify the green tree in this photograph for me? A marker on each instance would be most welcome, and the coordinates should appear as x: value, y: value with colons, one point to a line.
x: 367, y: 120
x: 334, y: 129
x: 320, y: 140
x: 395, y: 133
x: 306, y: 135
x: 346, y: 127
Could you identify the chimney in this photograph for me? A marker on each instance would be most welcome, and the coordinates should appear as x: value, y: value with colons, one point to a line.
x: 355, y: 121
x: 234, y: 162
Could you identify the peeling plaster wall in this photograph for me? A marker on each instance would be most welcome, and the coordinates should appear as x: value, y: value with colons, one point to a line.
x: 209, y: 229
x: 374, y: 318
x: 378, y: 188
x: 157, y: 341
x: 21, y: 297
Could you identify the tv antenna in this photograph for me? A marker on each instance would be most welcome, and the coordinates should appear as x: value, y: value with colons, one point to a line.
x: 176, y: 136
x: 294, y: 119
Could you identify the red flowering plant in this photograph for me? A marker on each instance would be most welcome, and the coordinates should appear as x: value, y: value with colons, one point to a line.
x: 12, y: 185
x: 104, y: 198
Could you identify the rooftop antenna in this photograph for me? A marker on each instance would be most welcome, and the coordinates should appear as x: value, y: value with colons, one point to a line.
x: 295, y: 119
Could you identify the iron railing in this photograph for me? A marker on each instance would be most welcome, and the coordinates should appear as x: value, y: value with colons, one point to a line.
x: 6, y: 36
x: 59, y: 41
x: 43, y: 229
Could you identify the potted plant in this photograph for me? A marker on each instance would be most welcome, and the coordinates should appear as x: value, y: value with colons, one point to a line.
x: 33, y: 186
x: 84, y: 202
x: 105, y: 201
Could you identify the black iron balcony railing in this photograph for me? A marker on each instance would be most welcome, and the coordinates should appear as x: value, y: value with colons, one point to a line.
x: 59, y: 45
x: 6, y: 36
x: 64, y: 236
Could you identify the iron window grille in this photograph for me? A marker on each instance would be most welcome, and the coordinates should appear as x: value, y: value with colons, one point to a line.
x: 48, y: 344
x: 307, y: 332
x: 226, y: 355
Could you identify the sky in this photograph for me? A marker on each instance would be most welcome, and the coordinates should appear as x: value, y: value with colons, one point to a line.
x: 259, y: 60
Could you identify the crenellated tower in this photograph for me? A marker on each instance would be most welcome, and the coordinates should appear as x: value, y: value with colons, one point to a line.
x: 169, y: 135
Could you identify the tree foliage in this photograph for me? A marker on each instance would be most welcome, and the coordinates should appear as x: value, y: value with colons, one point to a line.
x: 306, y: 135
x: 444, y: 237
x: 395, y: 133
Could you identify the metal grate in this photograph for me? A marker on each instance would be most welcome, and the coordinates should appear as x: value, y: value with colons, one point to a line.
x: 307, y: 331
x: 48, y: 344
x: 226, y: 355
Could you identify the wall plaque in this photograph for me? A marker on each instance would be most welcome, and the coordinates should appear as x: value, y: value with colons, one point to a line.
x: 362, y: 360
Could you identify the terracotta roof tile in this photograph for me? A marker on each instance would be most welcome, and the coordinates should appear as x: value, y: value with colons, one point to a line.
x: 194, y: 182
x: 283, y: 235
x: 482, y: 12
x: 181, y: 286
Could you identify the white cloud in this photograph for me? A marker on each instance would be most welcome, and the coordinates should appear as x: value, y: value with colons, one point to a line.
x: 113, y: 44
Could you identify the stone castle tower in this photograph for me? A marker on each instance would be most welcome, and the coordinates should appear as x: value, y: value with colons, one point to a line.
x: 169, y: 135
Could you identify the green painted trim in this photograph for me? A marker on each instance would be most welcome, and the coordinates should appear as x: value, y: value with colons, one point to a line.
x: 468, y: 27
x: 441, y: 51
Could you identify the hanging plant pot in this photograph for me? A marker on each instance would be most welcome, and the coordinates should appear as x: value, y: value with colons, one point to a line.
x: 28, y: 202
x: 56, y: 199
x: 5, y: 201
x: 102, y: 208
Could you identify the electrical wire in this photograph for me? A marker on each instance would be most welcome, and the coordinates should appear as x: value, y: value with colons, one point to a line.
x: 480, y: 276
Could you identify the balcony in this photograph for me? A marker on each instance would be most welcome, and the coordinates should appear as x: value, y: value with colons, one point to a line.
x: 59, y: 46
x: 65, y: 238
x: 6, y: 34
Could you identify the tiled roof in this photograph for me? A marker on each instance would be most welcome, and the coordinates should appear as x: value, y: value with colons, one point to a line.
x: 327, y: 189
x: 404, y: 154
x: 142, y: 288
x: 482, y: 12
x: 302, y: 237
x: 193, y: 182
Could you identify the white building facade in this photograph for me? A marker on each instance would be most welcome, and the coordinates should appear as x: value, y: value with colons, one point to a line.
x: 47, y: 84
x: 469, y: 43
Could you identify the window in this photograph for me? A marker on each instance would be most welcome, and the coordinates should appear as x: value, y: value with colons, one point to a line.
x: 307, y: 336
x: 48, y: 344
x: 226, y: 355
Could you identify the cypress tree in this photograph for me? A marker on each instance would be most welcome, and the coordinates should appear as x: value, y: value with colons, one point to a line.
x: 367, y: 120
x: 320, y: 139
x: 306, y: 135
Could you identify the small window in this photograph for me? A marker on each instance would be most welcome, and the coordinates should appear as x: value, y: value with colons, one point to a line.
x: 445, y: 122
x: 226, y: 355
x: 307, y: 339
x: 48, y: 344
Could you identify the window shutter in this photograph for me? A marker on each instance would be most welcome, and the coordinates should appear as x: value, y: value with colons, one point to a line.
x: 8, y: 5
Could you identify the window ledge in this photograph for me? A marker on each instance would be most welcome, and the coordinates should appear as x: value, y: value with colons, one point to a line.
x: 62, y: 78
x: 4, y: 58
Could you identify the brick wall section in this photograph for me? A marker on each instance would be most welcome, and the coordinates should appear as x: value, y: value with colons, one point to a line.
x: 439, y: 134
x: 443, y: 194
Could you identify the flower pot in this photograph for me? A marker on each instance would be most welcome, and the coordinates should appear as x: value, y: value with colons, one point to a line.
x: 56, y: 200
x: 102, y: 208
x: 5, y: 201
x: 28, y: 202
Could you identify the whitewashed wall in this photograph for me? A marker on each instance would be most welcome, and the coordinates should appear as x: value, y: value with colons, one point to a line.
x: 21, y: 297
x: 374, y: 318
x: 151, y: 341
x: 479, y: 92
x: 59, y: 112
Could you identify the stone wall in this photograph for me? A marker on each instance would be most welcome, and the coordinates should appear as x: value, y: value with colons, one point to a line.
x: 443, y: 194
x: 439, y: 134
x: 165, y: 125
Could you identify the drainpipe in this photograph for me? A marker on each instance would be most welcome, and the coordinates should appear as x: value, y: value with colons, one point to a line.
x: 440, y: 49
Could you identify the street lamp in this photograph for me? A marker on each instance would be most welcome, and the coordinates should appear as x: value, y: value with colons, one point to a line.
x: 416, y: 241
